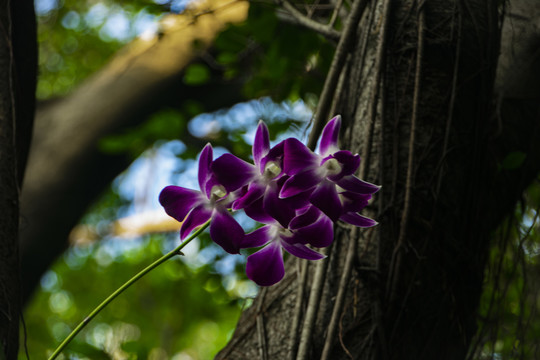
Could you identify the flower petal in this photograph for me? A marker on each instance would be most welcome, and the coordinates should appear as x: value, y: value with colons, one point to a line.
x: 297, y: 157
x: 278, y: 208
x: 329, y: 137
x: 258, y: 237
x: 255, y: 191
x: 256, y: 211
x: 265, y: 267
x: 319, y: 234
x: 226, y: 232
x: 306, y: 217
x: 358, y: 220
x: 261, y: 144
x: 178, y: 201
x: 232, y: 172
x: 325, y: 197
x: 354, y: 184
x: 353, y: 202
x: 349, y: 163
x: 301, y: 251
x: 301, y: 182
x: 205, y: 160
x: 197, y: 216
x: 274, y: 154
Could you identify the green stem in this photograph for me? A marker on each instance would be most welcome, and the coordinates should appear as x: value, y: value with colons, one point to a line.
x: 127, y: 284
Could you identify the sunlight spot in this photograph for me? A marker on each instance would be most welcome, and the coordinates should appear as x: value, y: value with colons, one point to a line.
x: 43, y: 7
x: 49, y: 281
x: 126, y: 332
x: 181, y: 356
x: 71, y: 20
x: 100, y: 335
x: 60, y: 301
x: 117, y: 27
x: 103, y: 257
x: 96, y: 15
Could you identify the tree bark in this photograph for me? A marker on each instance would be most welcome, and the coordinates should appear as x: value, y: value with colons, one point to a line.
x: 18, y: 62
x: 418, y: 104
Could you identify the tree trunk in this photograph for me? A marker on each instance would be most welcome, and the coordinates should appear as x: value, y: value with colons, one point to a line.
x: 18, y: 62
x: 416, y: 96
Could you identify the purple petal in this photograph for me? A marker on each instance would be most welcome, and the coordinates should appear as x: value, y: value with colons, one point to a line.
x: 301, y: 251
x: 329, y: 137
x: 226, y: 232
x: 278, y: 208
x: 354, y: 184
x: 258, y: 237
x: 353, y: 202
x: 256, y: 211
x: 261, y: 143
x: 205, y: 160
x: 232, y: 172
x: 348, y: 161
x: 358, y: 220
x: 297, y: 157
x: 265, y: 267
x: 198, y: 216
x: 255, y: 191
x: 319, y: 234
x: 178, y: 201
x: 326, y: 198
x: 305, y: 218
x: 301, y: 182
x: 275, y: 154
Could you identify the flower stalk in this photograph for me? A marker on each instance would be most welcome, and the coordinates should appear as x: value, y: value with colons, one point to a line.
x: 127, y: 284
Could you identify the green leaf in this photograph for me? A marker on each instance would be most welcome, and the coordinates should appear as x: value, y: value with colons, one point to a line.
x: 513, y: 160
x: 196, y: 74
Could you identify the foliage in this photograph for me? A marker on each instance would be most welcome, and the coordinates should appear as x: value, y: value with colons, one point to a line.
x: 178, y: 308
x: 508, y: 325
x: 76, y: 38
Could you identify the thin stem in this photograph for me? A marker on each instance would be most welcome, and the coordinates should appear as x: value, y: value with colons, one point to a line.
x: 127, y: 284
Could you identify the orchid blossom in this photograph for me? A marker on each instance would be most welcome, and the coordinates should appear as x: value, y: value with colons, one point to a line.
x: 297, y: 194
x: 328, y: 175
x: 194, y: 207
x: 235, y: 173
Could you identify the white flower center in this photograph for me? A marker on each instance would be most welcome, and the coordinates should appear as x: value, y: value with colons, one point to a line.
x: 332, y: 166
x: 217, y: 192
x: 285, y: 232
x: 271, y: 170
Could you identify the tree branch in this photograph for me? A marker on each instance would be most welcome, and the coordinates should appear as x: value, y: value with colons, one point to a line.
x: 298, y: 18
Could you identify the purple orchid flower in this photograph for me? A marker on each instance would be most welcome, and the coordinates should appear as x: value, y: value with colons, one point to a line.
x: 194, y: 207
x: 297, y: 194
x: 235, y: 173
x: 284, y: 229
x: 325, y: 174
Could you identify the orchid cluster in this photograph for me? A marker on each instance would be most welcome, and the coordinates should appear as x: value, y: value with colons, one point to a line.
x: 295, y: 193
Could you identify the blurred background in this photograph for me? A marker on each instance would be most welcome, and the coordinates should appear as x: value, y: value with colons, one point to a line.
x: 255, y: 65
x: 187, y: 308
